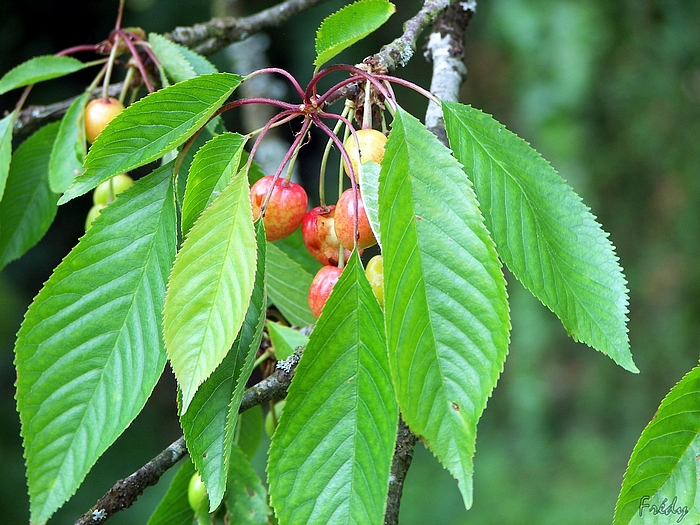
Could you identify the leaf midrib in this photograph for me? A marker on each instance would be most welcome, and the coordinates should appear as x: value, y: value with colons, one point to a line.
x: 112, y: 354
x: 219, y: 285
x: 549, y: 250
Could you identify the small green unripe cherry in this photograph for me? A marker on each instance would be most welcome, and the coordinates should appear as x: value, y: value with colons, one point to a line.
x: 375, y: 275
x: 196, y: 491
x: 273, y: 417
x: 371, y: 142
x: 106, y: 191
x: 92, y: 214
x: 98, y: 113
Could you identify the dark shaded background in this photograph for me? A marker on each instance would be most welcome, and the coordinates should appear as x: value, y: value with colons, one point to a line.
x: 609, y: 93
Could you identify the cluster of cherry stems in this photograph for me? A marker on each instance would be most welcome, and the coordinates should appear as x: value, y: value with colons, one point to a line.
x: 329, y: 231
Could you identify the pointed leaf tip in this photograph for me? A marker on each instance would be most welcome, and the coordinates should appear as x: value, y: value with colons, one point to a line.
x: 544, y: 233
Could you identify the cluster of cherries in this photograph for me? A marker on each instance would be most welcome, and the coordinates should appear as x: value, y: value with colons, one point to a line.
x: 325, y: 229
x: 328, y: 231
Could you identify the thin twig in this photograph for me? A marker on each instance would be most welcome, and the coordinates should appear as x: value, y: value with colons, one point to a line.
x: 217, y: 33
x: 206, y: 38
x: 403, y: 456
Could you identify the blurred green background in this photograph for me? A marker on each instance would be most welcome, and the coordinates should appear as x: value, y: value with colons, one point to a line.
x: 609, y: 93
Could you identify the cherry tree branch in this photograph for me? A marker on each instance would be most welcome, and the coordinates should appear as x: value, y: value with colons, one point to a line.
x: 205, y: 38
x: 398, y: 52
x: 217, y: 33
x: 401, y: 50
x: 126, y: 491
x: 403, y: 456
x: 445, y: 49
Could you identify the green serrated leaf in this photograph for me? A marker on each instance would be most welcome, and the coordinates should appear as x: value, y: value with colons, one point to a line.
x: 151, y: 127
x: 546, y: 236
x: 29, y: 206
x: 246, y: 498
x: 69, y: 148
x: 288, y: 257
x: 179, y: 62
x: 88, y: 353
x: 350, y: 24
x: 210, y: 422
x: 446, y: 308
x: 331, y: 454
x: 38, y: 69
x: 285, y: 340
x: 210, y: 287
x: 660, y: 484
x: 5, y: 149
x: 212, y: 169
x: 174, y: 508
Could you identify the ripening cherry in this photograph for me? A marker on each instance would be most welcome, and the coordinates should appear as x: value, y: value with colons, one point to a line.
x: 285, y: 210
x: 98, y: 113
x: 318, y: 234
x: 345, y: 221
x: 375, y: 275
x: 371, y: 142
x: 321, y: 287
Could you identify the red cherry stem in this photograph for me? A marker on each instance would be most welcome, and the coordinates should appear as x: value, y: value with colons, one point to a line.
x: 280, y: 118
x: 415, y: 87
x: 120, y: 13
x: 363, y: 75
x: 78, y: 49
x: 293, y: 150
x: 322, y: 125
x: 324, y: 159
x: 282, y: 72
x: 311, y: 87
x: 128, y: 40
x: 261, y: 100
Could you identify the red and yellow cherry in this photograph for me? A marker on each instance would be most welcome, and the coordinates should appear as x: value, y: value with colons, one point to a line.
x: 318, y: 233
x: 321, y: 287
x: 375, y: 275
x: 371, y: 142
x: 98, y: 113
x: 285, y: 209
x: 273, y: 417
x: 107, y: 190
x: 345, y: 221
x: 196, y: 491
